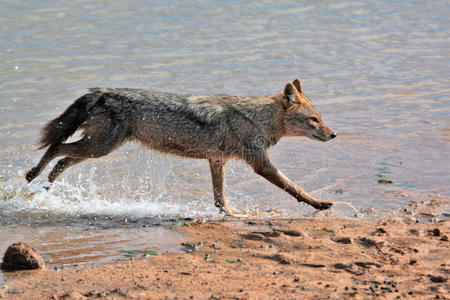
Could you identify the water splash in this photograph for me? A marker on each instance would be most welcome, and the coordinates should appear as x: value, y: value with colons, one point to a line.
x: 104, y: 189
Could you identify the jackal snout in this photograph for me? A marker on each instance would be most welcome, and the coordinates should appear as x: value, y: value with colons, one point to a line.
x: 321, y: 132
x: 301, y: 118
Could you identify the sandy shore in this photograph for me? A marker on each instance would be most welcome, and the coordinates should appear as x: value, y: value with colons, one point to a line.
x: 322, y: 257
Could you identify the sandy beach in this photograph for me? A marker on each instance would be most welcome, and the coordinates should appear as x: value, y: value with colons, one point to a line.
x: 393, y: 257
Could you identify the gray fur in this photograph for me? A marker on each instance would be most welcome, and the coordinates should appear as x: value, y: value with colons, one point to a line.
x: 215, y: 127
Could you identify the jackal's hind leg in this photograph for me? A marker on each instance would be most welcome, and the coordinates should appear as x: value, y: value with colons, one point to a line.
x: 35, y: 171
x: 217, y: 167
x: 62, y: 165
x: 85, y: 148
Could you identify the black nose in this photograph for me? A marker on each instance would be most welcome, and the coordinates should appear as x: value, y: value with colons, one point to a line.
x: 333, y: 135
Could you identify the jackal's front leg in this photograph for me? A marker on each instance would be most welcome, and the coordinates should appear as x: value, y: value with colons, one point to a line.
x: 271, y: 173
x: 217, y: 166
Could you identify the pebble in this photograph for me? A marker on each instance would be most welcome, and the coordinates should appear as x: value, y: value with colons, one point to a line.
x: 20, y: 256
x: 437, y: 279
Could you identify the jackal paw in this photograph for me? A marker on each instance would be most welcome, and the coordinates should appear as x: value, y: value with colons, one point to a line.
x: 226, y: 211
x: 32, y: 174
x: 322, y: 205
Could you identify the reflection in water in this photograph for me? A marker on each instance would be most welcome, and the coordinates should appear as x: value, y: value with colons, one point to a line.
x: 66, y: 245
x: 377, y: 70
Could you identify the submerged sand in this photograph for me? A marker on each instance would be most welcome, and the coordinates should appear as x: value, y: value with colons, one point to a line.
x: 392, y: 257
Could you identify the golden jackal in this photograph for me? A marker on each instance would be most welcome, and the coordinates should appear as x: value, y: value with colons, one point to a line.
x: 216, y: 128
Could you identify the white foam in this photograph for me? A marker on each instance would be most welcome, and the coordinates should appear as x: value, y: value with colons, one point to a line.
x: 111, y: 188
x: 67, y: 199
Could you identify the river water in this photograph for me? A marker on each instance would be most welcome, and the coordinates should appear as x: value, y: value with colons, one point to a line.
x: 378, y: 71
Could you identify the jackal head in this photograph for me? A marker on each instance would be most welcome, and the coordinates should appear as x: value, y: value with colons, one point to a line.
x: 301, y: 118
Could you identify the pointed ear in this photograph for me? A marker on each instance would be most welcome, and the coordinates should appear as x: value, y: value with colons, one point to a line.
x: 298, y: 85
x: 289, y: 95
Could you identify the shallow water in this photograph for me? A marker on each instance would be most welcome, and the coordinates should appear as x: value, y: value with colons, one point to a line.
x: 64, y: 245
x: 378, y: 71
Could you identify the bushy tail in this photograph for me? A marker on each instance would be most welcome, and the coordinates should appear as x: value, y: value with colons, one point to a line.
x: 60, y: 129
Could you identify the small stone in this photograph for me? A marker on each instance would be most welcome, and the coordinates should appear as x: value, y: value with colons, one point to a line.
x: 72, y: 295
x: 19, y: 256
x: 343, y: 240
x: 293, y: 233
x: 444, y: 238
x: 437, y: 279
x: 380, y: 230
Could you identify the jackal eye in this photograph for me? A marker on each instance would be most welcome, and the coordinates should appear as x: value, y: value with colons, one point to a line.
x: 314, y: 119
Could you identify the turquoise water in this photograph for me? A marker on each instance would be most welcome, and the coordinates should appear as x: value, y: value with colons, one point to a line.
x: 378, y: 71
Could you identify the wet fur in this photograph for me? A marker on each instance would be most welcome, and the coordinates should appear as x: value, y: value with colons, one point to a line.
x: 216, y: 128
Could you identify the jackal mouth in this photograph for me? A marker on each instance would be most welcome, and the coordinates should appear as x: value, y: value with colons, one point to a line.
x: 319, y: 138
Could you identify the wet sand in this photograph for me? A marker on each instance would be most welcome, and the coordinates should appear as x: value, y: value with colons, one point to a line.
x: 323, y: 257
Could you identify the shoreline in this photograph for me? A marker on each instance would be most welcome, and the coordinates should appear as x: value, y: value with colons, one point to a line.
x: 319, y: 257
